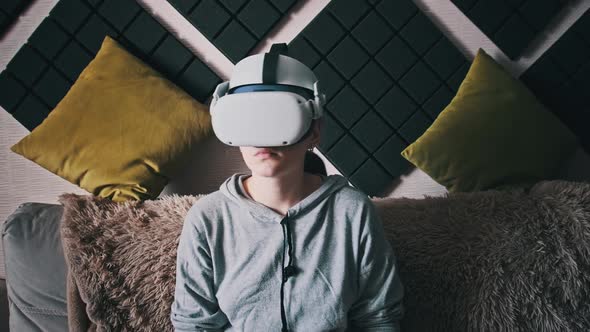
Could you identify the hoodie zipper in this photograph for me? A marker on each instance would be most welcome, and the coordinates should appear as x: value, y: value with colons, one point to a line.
x: 287, y: 271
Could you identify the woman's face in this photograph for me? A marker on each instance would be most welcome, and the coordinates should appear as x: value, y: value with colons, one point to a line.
x: 281, y: 160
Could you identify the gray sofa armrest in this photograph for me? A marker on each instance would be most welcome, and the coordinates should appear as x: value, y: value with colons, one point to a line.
x: 35, y: 268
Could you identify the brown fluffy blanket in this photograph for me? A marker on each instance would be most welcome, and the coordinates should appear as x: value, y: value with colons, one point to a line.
x: 122, y: 260
x: 512, y: 260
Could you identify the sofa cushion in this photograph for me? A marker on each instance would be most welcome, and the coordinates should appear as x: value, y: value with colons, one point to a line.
x: 35, y: 268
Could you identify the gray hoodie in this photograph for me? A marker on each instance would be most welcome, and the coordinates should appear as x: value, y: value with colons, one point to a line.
x: 324, y: 266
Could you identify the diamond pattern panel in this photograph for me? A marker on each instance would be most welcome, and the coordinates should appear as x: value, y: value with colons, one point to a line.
x: 44, y: 68
x: 387, y: 72
x: 9, y: 12
x: 511, y: 24
x: 234, y: 26
x: 561, y: 78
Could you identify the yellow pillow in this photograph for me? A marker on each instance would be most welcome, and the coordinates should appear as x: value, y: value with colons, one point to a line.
x: 120, y: 131
x: 493, y: 134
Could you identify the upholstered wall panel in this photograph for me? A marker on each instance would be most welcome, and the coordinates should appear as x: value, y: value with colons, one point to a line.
x: 388, y: 72
x: 511, y: 24
x: 45, y: 67
x: 9, y: 12
x: 561, y: 78
x: 234, y: 26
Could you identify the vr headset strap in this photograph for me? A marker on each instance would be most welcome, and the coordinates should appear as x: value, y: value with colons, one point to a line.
x: 269, y: 66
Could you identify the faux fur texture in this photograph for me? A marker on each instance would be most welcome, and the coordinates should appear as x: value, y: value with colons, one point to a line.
x: 123, y: 258
x: 513, y: 260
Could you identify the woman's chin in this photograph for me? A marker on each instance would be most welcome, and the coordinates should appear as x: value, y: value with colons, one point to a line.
x: 267, y: 169
x: 265, y: 172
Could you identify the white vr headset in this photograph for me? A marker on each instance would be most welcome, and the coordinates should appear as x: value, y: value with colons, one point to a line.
x: 269, y: 101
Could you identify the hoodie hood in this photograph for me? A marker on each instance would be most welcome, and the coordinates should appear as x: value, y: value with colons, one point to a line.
x: 233, y: 188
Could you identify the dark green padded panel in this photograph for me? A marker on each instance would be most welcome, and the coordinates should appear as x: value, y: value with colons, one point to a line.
x: 511, y: 24
x: 9, y: 12
x: 234, y: 26
x: 44, y: 69
x: 561, y: 78
x: 387, y: 72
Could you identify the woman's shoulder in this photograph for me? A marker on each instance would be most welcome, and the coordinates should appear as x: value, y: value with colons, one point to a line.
x: 349, y: 193
x: 350, y: 198
x: 207, y: 206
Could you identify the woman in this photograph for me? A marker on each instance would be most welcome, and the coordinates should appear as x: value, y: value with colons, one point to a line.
x: 285, y: 248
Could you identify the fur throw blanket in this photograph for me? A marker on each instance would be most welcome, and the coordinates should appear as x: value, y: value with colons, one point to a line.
x: 513, y: 260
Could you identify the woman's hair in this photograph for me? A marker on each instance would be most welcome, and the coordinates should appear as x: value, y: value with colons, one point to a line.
x: 313, y: 163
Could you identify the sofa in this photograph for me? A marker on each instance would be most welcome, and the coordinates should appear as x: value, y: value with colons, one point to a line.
x: 497, y: 260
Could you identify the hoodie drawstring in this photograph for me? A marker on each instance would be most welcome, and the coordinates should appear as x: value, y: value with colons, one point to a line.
x: 288, y: 271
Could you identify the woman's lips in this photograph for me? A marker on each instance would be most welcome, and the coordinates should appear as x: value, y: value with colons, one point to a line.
x: 264, y: 153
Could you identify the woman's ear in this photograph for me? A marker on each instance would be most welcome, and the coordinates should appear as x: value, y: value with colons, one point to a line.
x: 316, y: 132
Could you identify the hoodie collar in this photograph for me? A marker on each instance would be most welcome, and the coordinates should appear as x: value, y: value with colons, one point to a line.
x: 233, y: 188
